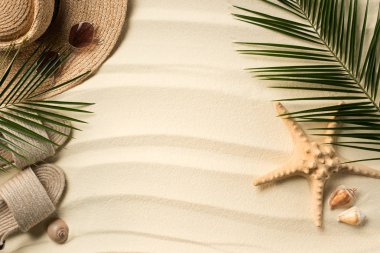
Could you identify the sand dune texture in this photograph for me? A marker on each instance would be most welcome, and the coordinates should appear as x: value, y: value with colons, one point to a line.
x: 167, y: 162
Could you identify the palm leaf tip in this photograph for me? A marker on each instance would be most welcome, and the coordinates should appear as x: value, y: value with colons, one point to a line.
x: 338, y: 54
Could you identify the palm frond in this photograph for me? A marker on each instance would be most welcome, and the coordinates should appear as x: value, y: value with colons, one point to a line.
x: 22, y: 89
x: 339, y: 55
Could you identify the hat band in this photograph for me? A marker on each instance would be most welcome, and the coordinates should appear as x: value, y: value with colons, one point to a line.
x: 56, y: 10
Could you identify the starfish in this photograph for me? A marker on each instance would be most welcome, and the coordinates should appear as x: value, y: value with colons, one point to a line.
x: 316, y: 161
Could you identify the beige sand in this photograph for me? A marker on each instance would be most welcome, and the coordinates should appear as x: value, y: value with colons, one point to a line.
x: 180, y: 132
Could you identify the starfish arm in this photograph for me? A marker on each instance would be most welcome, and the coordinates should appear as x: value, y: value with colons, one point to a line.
x: 284, y: 172
x: 331, y: 128
x: 330, y: 138
x: 317, y: 188
x: 359, y: 169
x: 298, y: 134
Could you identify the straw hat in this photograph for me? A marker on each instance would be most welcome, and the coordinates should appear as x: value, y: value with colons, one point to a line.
x: 47, y: 22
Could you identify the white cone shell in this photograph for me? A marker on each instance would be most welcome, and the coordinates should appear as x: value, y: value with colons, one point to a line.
x: 352, y: 216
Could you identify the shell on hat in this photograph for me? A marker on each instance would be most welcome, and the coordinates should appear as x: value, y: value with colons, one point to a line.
x: 352, y: 216
x: 342, y: 197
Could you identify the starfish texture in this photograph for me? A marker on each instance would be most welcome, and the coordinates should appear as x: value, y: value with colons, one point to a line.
x: 316, y: 161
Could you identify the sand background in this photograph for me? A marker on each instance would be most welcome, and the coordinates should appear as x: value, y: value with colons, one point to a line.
x: 166, y: 163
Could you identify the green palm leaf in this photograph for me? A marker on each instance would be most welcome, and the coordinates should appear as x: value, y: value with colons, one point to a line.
x: 21, y: 100
x: 341, y: 56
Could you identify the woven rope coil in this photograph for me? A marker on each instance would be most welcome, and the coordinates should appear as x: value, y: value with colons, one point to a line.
x: 40, y: 150
x: 31, y: 196
x: 28, y: 198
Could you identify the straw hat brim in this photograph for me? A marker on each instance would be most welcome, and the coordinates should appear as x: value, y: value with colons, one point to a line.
x: 108, y: 18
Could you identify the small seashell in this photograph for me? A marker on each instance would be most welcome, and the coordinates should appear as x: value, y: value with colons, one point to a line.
x: 342, y: 197
x: 352, y: 216
x: 58, y: 231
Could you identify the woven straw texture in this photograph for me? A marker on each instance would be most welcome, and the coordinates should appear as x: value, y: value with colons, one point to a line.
x: 37, y: 155
x: 24, y: 19
x: 44, y: 185
x: 30, y: 20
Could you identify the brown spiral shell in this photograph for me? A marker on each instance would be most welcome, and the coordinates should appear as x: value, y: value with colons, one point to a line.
x: 58, y: 231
